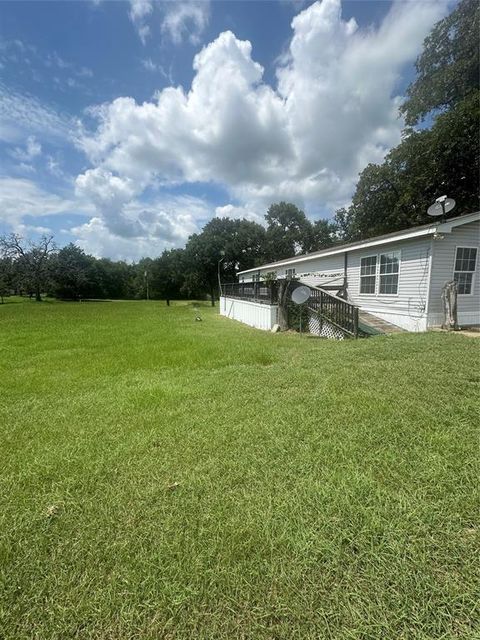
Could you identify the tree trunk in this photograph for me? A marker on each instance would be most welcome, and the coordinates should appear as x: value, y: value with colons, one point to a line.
x: 282, y: 318
x: 449, y: 299
x: 283, y: 287
x: 38, y: 297
x: 168, y: 302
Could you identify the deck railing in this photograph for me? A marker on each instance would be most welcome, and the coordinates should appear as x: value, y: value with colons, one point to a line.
x: 254, y: 291
x: 339, y: 312
x: 329, y: 307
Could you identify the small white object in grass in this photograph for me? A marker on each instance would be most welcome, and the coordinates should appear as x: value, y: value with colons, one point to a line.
x: 53, y: 510
x: 275, y: 328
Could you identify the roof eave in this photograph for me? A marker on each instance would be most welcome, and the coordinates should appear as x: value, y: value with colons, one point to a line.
x: 439, y: 227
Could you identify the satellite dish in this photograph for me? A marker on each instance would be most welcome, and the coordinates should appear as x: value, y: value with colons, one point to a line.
x: 300, y: 294
x: 441, y: 206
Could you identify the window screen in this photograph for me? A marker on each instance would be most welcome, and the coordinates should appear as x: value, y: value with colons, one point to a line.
x: 368, y: 270
x: 465, y: 263
x: 389, y: 268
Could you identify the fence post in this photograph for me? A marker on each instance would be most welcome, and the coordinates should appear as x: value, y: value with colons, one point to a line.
x: 320, y: 311
x: 355, y: 322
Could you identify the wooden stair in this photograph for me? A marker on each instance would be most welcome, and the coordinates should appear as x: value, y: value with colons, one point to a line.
x: 371, y: 325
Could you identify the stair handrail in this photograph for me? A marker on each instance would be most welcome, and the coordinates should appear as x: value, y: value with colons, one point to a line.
x: 346, y: 320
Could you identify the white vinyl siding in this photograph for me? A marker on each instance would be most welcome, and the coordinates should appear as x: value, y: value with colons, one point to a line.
x: 406, y: 308
x: 444, y: 265
x: 425, y: 265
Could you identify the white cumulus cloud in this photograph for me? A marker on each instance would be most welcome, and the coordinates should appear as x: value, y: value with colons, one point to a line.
x: 334, y: 110
x: 162, y: 224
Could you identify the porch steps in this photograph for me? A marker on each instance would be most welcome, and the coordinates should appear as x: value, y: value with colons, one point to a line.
x: 373, y: 326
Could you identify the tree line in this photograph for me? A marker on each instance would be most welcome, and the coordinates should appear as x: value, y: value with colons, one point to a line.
x: 430, y: 161
x: 223, y: 247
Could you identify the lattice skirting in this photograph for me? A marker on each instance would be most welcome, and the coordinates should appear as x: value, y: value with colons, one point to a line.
x: 327, y: 331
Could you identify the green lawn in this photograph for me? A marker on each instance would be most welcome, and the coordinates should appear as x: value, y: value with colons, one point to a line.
x: 325, y: 489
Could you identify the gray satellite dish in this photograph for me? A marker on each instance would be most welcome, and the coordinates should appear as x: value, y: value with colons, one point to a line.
x: 300, y: 295
x: 441, y: 206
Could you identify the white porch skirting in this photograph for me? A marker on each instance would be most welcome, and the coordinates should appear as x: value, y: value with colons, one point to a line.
x: 255, y: 314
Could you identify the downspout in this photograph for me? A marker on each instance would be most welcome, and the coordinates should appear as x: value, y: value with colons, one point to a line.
x: 429, y: 283
x: 345, y: 276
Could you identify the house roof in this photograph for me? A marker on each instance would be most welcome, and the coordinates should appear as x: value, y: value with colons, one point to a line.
x: 396, y: 236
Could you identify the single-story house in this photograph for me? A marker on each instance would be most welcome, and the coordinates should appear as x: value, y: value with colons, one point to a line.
x: 397, y: 277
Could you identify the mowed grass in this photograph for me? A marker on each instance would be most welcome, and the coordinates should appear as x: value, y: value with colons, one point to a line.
x: 166, y: 478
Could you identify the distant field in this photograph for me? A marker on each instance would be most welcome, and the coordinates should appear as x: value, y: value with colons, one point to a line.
x: 166, y: 478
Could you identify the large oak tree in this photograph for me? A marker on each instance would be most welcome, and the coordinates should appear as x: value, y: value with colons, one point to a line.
x: 429, y: 162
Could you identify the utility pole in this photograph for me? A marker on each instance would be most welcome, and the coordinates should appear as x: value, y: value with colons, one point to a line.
x: 222, y: 253
x: 145, y: 275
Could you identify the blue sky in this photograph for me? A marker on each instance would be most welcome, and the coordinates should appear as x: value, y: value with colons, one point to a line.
x: 125, y: 126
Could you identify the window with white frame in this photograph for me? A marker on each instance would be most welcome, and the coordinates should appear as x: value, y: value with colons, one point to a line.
x: 389, y: 269
x: 465, y: 265
x: 289, y: 273
x: 379, y: 274
x: 368, y: 274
